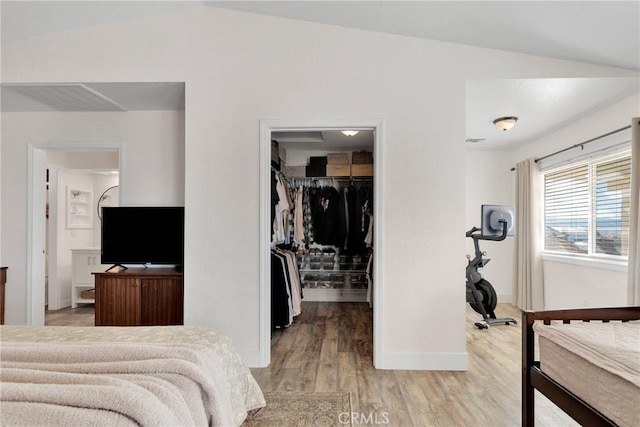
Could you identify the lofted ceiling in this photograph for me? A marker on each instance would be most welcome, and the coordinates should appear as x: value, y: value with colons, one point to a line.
x: 325, y: 140
x: 596, y: 32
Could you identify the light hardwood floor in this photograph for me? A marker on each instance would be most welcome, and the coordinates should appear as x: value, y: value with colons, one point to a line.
x: 81, y: 316
x: 329, y: 348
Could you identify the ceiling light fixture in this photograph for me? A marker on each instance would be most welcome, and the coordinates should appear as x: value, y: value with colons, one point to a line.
x: 350, y: 132
x: 505, y: 123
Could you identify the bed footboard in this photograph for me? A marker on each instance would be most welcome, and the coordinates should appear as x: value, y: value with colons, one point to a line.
x: 533, y: 378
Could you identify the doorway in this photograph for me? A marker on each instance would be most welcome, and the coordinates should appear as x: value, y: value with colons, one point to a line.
x: 268, y: 127
x: 36, y: 224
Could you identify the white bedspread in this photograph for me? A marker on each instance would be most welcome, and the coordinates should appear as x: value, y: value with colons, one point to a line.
x: 599, y: 362
x: 162, y: 375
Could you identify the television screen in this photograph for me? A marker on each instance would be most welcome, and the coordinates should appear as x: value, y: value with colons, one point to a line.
x: 142, y: 235
x: 491, y: 217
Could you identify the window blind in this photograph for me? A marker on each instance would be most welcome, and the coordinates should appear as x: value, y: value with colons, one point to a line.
x: 612, y: 206
x: 566, y: 209
x: 587, y: 206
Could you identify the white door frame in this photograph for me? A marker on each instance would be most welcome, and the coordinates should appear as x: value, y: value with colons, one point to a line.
x: 266, y: 128
x: 36, y: 164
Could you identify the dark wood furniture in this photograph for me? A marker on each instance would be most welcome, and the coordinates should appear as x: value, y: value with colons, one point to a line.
x: 3, y: 280
x: 139, y: 297
x: 534, y: 379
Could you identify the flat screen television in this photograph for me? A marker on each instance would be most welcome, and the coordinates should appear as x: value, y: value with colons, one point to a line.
x: 491, y: 217
x: 142, y: 235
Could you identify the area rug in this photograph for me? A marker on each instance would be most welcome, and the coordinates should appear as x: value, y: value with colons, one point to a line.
x: 303, y: 409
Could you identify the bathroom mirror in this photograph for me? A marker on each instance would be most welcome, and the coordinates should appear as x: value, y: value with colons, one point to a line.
x: 108, y: 198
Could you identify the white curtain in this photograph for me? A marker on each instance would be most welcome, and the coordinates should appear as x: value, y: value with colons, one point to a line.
x: 528, y: 281
x: 634, y: 226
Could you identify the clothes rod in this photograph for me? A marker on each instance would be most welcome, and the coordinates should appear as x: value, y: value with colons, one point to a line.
x: 581, y: 144
x: 334, y: 178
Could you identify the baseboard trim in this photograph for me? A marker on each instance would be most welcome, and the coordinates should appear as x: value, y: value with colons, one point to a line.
x: 424, y: 361
x: 252, y: 359
x: 505, y: 298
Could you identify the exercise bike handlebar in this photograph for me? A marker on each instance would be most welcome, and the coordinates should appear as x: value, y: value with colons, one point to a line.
x: 503, y: 236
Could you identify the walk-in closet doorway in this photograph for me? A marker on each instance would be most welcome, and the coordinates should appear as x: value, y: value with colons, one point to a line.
x: 269, y: 128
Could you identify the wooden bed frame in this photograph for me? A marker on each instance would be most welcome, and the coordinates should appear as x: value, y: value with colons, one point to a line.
x: 534, y: 379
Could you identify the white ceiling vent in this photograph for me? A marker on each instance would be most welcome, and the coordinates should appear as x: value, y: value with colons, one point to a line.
x: 66, y: 97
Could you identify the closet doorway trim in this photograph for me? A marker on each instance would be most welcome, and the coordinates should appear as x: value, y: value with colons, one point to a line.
x: 283, y: 125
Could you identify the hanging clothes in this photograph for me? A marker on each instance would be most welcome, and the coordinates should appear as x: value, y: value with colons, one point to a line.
x: 326, y: 220
x: 309, y: 213
x: 286, y: 288
x: 281, y: 315
x: 282, y: 212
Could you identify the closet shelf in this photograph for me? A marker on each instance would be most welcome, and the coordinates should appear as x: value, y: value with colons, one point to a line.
x: 327, y: 271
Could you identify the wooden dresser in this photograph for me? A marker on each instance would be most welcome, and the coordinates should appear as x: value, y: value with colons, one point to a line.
x: 139, y: 297
x: 3, y: 280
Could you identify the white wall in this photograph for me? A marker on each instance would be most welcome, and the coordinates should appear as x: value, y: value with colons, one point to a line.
x: 70, y: 238
x: 568, y: 284
x: 100, y: 184
x: 490, y: 182
x: 154, y: 164
x: 240, y: 68
x: 591, y: 284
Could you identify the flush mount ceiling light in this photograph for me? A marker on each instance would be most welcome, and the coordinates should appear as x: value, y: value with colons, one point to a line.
x: 350, y: 132
x: 505, y: 123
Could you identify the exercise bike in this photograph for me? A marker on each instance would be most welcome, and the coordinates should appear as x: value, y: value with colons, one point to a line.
x: 481, y: 295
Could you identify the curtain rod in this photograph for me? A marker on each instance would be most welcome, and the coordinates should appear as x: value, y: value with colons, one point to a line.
x: 581, y: 144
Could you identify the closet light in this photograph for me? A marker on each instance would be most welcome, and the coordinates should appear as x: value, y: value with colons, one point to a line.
x: 505, y: 123
x: 350, y: 132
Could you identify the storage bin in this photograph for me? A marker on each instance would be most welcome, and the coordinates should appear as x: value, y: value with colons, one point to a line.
x: 338, y: 170
x: 316, y: 170
x: 362, y: 170
x: 294, y: 171
x: 328, y: 256
x: 327, y: 265
x: 338, y: 159
x: 275, y: 155
x: 361, y: 157
x: 88, y: 294
x: 318, y: 160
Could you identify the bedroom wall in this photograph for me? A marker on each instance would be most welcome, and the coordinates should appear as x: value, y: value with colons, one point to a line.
x: 70, y: 238
x: 571, y: 284
x: 154, y: 164
x: 568, y: 284
x: 100, y: 184
x: 240, y: 68
x: 489, y: 181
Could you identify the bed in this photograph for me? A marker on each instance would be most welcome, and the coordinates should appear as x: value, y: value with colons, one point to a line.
x: 158, y: 375
x: 588, y: 364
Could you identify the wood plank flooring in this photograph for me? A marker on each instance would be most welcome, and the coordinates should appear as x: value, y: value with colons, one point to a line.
x: 81, y: 316
x: 329, y: 348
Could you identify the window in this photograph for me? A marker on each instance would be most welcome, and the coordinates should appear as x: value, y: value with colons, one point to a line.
x: 587, y: 207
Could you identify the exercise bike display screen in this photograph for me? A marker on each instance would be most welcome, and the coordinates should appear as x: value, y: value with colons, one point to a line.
x: 492, y: 217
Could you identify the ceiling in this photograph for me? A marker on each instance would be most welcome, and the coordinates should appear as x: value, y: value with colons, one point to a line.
x: 596, y: 32
x: 92, y: 97
x: 325, y: 140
